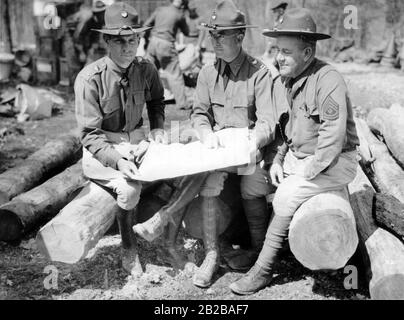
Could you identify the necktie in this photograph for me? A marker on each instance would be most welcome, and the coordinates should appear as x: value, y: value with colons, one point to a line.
x: 124, y: 83
x: 226, y: 75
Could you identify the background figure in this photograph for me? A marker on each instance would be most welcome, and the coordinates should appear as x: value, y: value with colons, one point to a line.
x: 88, y: 42
x: 278, y: 8
x: 166, y: 22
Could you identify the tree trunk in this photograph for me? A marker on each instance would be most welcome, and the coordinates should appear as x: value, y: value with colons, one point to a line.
x: 79, y: 226
x: 39, y: 204
x: 389, y: 213
x: 54, y: 155
x: 383, y: 252
x: 83, y: 222
x: 390, y: 126
x: 322, y: 234
x: 388, y: 175
x: 6, y: 23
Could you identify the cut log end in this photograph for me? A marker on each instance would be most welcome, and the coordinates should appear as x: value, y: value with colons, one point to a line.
x: 388, y: 288
x: 325, y: 240
x: 11, y: 227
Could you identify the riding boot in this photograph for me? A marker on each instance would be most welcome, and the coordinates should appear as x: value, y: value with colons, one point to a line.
x: 203, y: 276
x: 257, y: 214
x: 260, y: 275
x: 176, y: 260
x: 130, y: 257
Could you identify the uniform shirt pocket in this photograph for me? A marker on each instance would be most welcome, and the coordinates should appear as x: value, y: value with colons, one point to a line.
x: 240, y: 116
x: 306, y: 125
x: 217, y: 103
x: 111, y: 108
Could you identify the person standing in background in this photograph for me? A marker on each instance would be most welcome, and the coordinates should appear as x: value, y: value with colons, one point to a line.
x: 166, y: 21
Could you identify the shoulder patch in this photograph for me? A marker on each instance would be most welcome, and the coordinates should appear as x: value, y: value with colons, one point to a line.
x: 330, y: 109
x: 256, y: 63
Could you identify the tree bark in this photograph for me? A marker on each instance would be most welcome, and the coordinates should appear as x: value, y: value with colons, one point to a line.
x: 382, y: 252
x: 388, y: 175
x: 390, y: 125
x: 322, y: 234
x: 6, y: 23
x: 79, y: 226
x: 54, y: 155
x: 39, y: 204
x: 389, y: 213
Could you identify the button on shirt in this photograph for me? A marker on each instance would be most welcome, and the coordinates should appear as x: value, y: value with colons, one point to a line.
x: 246, y: 101
x: 166, y: 21
x: 111, y: 99
x: 320, y: 116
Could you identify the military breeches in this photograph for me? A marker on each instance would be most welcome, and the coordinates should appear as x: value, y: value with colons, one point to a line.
x: 254, y: 185
x: 127, y: 191
x: 295, y: 189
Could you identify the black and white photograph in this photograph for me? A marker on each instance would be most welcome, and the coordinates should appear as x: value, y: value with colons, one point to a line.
x: 202, y: 155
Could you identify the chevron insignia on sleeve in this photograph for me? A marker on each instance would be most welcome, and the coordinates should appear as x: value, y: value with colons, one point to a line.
x: 330, y: 109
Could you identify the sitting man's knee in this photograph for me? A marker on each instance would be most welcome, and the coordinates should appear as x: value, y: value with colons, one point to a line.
x: 253, y: 187
x: 128, y: 194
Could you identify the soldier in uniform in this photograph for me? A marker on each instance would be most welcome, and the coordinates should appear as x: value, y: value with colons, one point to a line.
x: 235, y: 92
x: 166, y: 21
x: 320, y: 138
x: 278, y: 9
x: 89, y: 42
x: 110, y: 96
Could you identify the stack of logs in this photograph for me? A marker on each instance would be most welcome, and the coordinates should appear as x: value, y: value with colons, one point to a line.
x: 324, y: 234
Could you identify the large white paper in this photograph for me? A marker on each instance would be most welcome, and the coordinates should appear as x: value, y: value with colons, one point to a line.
x: 176, y: 159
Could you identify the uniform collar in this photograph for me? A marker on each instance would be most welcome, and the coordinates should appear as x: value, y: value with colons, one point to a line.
x: 115, y: 68
x: 235, y: 65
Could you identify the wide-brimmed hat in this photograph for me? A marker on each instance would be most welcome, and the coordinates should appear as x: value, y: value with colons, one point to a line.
x: 296, y: 22
x: 278, y: 3
x: 121, y: 19
x: 98, y: 6
x: 226, y: 16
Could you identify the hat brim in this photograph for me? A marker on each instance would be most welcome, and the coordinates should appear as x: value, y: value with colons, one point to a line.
x: 311, y: 35
x: 218, y: 28
x: 119, y: 32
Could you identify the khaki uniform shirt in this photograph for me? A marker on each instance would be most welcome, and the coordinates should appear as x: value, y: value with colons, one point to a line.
x: 106, y: 100
x: 246, y: 102
x: 319, y: 117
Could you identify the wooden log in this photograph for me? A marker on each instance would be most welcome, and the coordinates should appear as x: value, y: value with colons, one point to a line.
x: 390, y: 125
x: 383, y: 252
x: 389, y: 213
x: 388, y: 175
x: 79, y: 226
x: 322, y: 234
x: 39, y: 204
x: 83, y: 222
x: 35, y: 169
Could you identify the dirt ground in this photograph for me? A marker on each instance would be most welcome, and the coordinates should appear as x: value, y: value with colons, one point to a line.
x: 24, y: 273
